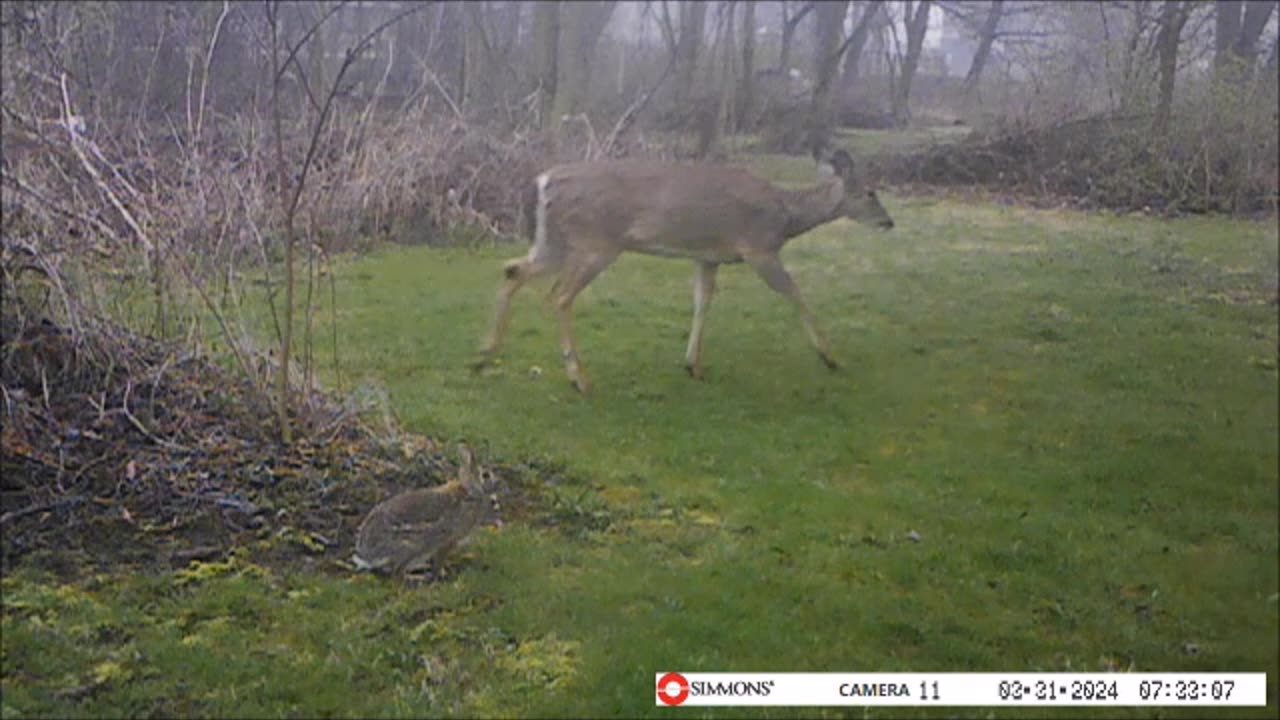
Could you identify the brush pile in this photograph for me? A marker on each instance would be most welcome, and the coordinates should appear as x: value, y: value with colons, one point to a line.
x: 117, y: 448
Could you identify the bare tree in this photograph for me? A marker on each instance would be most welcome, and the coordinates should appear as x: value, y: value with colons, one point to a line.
x: 790, y: 21
x: 871, y: 13
x: 546, y: 45
x: 728, y: 79
x: 986, y: 38
x: 580, y: 26
x: 292, y: 185
x: 1256, y: 17
x: 569, y: 70
x: 595, y: 16
x: 1173, y: 16
x: 747, y: 91
x: 1142, y: 19
x: 1236, y: 34
x: 828, y: 31
x: 1226, y: 31
x: 917, y: 24
x: 692, y: 21
x: 478, y: 56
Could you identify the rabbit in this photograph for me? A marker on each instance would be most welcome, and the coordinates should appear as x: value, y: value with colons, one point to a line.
x: 416, y: 528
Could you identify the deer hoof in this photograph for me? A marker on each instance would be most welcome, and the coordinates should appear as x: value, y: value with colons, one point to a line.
x: 480, y: 362
x: 581, y: 384
x: 831, y: 363
x: 694, y: 371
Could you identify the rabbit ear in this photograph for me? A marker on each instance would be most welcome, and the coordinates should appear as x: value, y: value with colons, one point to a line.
x: 467, y: 470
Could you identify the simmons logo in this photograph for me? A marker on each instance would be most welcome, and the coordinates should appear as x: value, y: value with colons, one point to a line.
x: 674, y: 688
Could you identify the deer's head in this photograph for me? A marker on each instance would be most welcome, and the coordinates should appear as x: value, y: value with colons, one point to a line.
x: 860, y: 202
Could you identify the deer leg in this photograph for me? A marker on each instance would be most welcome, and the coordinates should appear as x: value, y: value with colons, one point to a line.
x: 572, y: 280
x: 518, y: 272
x: 704, y: 286
x: 770, y: 269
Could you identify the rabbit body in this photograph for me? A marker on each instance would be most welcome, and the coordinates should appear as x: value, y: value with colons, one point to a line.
x: 419, y: 527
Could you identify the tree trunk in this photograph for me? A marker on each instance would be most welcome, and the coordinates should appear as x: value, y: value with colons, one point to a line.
x: 580, y: 26
x: 316, y: 50
x: 283, y: 399
x: 1173, y: 15
x: 828, y: 31
x: 595, y: 15
x: 568, y: 69
x: 475, y: 63
x: 728, y: 79
x: 1235, y: 37
x: 545, y: 49
x: 917, y: 24
x: 359, y: 26
x: 789, y: 25
x: 784, y: 53
x: 1256, y: 16
x: 622, y: 73
x: 410, y: 42
x: 546, y: 42
x: 449, y: 51
x: 857, y: 42
x: 509, y: 29
x: 1131, y: 89
x: 1226, y: 29
x: 692, y: 20
x: 747, y: 90
x: 985, y: 41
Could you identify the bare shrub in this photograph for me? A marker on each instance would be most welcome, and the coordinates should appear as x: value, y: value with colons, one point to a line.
x: 1218, y: 155
x: 416, y: 176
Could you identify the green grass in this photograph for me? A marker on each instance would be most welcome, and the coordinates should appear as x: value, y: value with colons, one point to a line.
x: 1076, y: 413
x: 867, y: 142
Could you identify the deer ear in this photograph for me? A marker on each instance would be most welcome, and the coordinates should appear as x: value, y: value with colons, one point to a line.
x: 820, y: 152
x: 467, y: 466
x: 822, y: 156
x: 842, y: 163
x: 842, y: 166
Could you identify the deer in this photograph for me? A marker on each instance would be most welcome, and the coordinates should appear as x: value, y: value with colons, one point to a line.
x: 583, y: 215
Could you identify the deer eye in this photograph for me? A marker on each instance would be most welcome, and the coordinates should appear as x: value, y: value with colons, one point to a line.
x: 871, y: 194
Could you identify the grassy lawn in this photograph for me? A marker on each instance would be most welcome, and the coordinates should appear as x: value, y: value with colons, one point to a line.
x: 865, y: 142
x: 862, y: 141
x: 1052, y: 447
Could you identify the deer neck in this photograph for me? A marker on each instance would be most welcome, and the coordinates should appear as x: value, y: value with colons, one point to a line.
x: 811, y: 207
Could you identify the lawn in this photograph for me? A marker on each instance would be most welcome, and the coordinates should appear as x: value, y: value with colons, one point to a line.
x: 1052, y: 447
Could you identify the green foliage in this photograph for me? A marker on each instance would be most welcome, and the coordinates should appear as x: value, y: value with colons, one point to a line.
x: 1074, y: 415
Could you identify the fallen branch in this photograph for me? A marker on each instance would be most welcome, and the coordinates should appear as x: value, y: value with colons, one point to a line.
x: 128, y: 388
x: 71, y: 122
x: 42, y: 507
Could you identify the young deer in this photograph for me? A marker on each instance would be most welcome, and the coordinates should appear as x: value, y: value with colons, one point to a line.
x: 586, y: 214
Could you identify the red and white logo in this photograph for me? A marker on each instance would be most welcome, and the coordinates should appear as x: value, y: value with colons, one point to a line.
x: 673, y: 689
